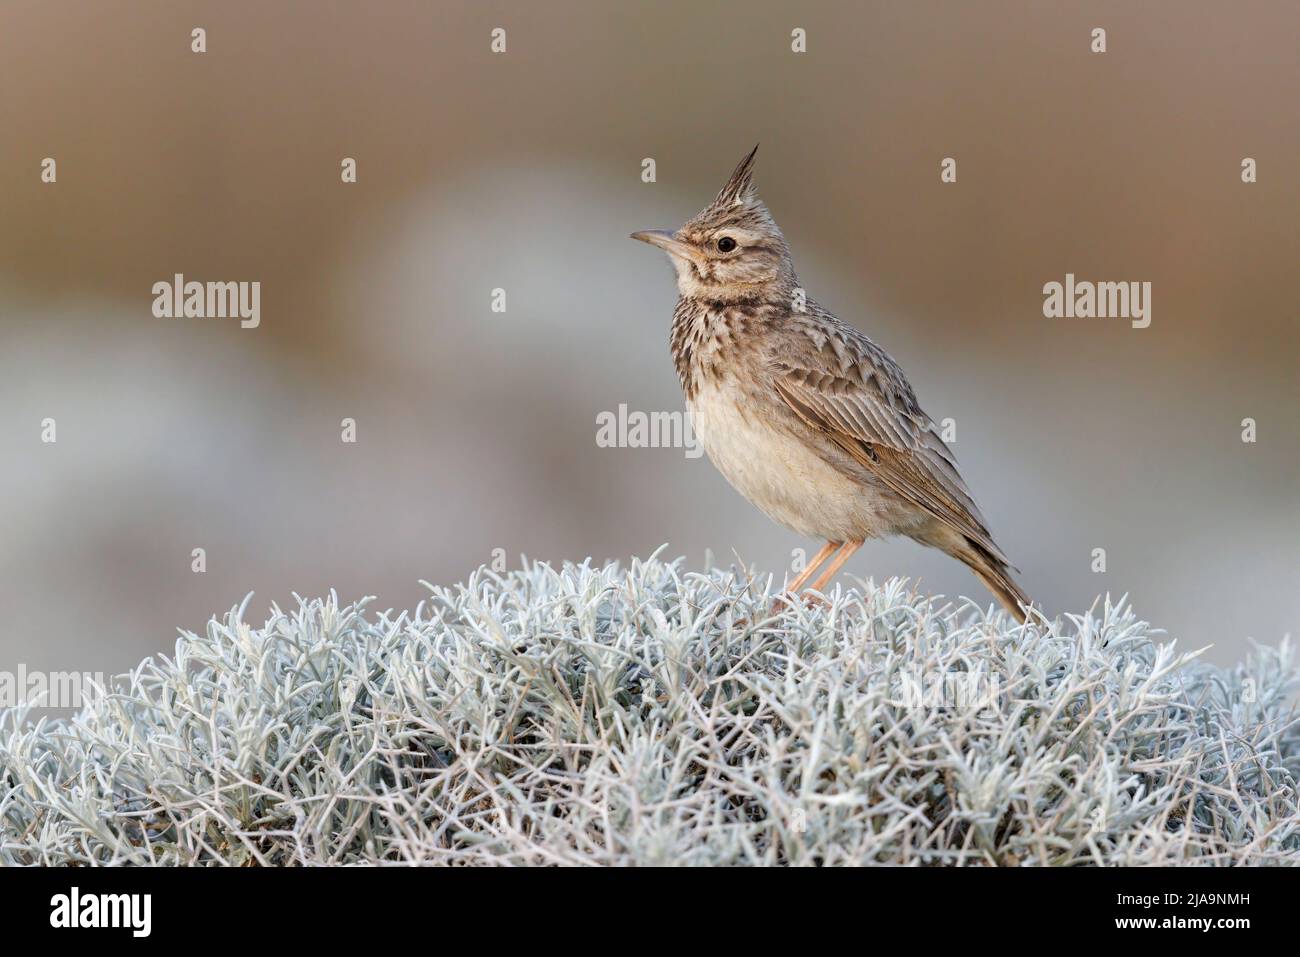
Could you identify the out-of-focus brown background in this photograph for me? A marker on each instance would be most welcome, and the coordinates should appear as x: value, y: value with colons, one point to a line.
x: 522, y: 171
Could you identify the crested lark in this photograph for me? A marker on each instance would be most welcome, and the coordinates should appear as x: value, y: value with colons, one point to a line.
x: 805, y: 416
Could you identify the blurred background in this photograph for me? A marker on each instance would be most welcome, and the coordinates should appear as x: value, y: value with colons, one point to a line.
x: 476, y: 430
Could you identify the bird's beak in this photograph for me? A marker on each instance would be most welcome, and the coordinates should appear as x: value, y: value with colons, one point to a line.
x: 667, y: 242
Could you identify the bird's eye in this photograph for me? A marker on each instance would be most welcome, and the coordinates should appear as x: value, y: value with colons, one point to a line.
x: 726, y: 244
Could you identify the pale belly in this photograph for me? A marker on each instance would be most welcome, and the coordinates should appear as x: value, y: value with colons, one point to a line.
x: 785, y: 477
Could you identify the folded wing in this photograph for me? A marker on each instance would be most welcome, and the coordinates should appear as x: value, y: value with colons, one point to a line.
x: 846, y: 387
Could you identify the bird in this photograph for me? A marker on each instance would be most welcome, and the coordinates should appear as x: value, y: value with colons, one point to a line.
x: 802, y: 413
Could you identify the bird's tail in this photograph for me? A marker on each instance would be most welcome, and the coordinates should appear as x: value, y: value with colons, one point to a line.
x: 988, y: 567
x: 997, y: 579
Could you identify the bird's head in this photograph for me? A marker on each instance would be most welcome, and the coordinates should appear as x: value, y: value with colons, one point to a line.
x: 732, y: 249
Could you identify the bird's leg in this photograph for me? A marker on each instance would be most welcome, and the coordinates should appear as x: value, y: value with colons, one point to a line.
x: 826, y: 551
x: 838, y: 563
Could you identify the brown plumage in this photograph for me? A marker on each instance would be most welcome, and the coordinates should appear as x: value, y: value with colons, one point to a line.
x: 807, y: 417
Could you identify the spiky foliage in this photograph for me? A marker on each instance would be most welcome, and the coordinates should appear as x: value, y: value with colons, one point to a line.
x: 655, y: 716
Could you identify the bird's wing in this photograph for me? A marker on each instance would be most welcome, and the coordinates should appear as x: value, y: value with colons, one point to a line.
x: 843, y: 385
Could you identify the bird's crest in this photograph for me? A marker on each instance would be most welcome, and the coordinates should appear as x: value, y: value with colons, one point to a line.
x: 740, y: 188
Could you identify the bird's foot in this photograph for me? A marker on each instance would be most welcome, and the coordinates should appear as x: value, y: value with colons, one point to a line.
x: 809, y: 598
